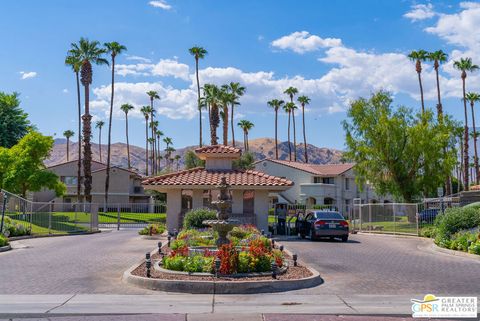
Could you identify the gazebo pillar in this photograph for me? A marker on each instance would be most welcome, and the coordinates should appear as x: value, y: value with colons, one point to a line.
x: 261, y: 209
x: 174, y: 208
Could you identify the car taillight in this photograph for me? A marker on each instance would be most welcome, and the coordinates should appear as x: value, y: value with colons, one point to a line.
x: 344, y: 223
x: 320, y: 223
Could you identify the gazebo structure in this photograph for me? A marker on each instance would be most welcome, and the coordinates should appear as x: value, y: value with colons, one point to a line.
x: 197, y: 187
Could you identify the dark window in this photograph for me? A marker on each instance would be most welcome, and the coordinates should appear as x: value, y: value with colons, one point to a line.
x: 249, y: 202
x: 137, y: 189
x: 328, y: 215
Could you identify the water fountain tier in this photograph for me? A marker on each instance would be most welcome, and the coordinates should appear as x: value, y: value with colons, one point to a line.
x: 223, y: 224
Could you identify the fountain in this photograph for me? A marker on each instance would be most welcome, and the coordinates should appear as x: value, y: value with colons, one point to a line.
x: 223, y: 224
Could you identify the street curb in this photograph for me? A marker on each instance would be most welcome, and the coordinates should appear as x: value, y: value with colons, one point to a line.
x: 5, y: 248
x: 222, y: 287
x: 434, y: 247
x: 26, y: 237
x: 409, y: 236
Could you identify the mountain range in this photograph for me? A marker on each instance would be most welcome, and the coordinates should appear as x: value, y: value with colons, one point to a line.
x: 261, y: 148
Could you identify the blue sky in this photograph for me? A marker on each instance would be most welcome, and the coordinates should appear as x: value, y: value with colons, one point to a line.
x: 332, y: 51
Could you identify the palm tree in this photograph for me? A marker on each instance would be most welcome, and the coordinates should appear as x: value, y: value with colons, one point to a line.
x: 245, y: 125
x: 177, y: 158
x: 438, y: 57
x: 68, y: 134
x: 418, y: 57
x: 159, y: 135
x: 75, y: 62
x: 114, y: 49
x: 88, y: 52
x: 304, y: 100
x: 198, y: 53
x: 168, y: 152
x: 473, y: 98
x: 226, y: 98
x: 292, y: 91
x: 152, y: 95
x: 99, y: 124
x: 464, y: 65
x: 154, y: 126
x: 288, y: 109
x: 126, y: 108
x: 146, y: 113
x: 212, y: 99
x: 276, y: 104
x: 237, y: 91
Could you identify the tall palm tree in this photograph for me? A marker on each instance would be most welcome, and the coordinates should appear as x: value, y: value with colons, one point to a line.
x: 154, y: 125
x: 304, y: 100
x: 472, y: 99
x: 159, y: 135
x: 226, y: 98
x: 114, y: 49
x: 152, y: 94
x: 276, y: 104
x: 288, y: 109
x: 146, y: 113
x: 438, y: 57
x: 245, y: 125
x: 88, y: 52
x: 212, y: 99
x: 237, y: 91
x: 126, y: 108
x: 177, y: 158
x: 464, y: 65
x: 68, y: 134
x: 74, y: 61
x: 292, y: 91
x: 198, y: 53
x: 418, y: 57
x: 99, y: 124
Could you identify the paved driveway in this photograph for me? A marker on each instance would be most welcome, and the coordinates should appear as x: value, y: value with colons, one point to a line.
x: 376, y: 264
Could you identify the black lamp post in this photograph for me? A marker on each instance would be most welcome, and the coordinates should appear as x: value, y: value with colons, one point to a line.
x: 274, y: 269
x: 217, y: 266
x: 148, y: 263
x: 169, y: 238
x: 159, y: 247
x: 294, y: 257
x: 281, y: 248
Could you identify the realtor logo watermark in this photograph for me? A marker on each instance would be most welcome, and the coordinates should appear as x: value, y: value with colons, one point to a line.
x: 444, y: 307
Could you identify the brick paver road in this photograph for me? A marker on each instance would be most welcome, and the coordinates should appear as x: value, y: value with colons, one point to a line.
x: 376, y: 264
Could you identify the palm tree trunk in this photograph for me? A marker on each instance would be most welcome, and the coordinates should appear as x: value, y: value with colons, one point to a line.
x: 276, y: 137
x: 146, y: 146
x: 289, y: 147
x: 87, y: 150
x: 107, y: 177
x: 421, y: 89
x: 246, y: 139
x: 153, y: 136
x: 68, y: 149
x: 460, y: 181
x: 439, y: 103
x: 231, y: 125
x: 465, y: 138
x: 225, y: 125
x: 198, y: 102
x: 475, y: 143
x: 304, y: 135
x: 294, y: 137
x: 159, y: 155
x: 100, y: 142
x: 79, y: 163
x: 128, y: 144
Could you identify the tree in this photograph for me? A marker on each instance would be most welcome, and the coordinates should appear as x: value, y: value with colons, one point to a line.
x: 99, y: 124
x: 126, y: 108
x: 226, y: 98
x: 276, y: 104
x: 146, y: 113
x: 438, y: 57
x: 88, y: 52
x: 212, y: 99
x: 418, y: 57
x: 474, y: 98
x: 22, y: 166
x: 237, y: 91
x: 14, y: 123
x: 397, y: 151
x: 304, y: 100
x: 292, y: 91
x: 245, y: 125
x: 198, y: 53
x: 114, y: 49
x: 288, y: 109
x: 244, y: 162
x: 152, y: 95
x: 177, y: 159
x: 154, y: 125
x: 464, y: 65
x: 159, y: 135
x: 192, y: 161
x: 68, y: 134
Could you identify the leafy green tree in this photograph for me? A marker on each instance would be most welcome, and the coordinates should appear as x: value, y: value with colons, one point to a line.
x: 191, y: 160
x: 14, y: 123
x: 244, y: 162
x: 198, y: 53
x: 397, y: 151
x: 22, y: 166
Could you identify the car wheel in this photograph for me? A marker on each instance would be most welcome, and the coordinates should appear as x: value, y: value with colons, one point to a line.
x: 345, y: 238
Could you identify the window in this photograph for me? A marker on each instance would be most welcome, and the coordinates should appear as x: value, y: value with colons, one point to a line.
x: 69, y: 180
x: 328, y: 215
x: 249, y: 202
x: 137, y: 189
x: 347, y: 184
x: 323, y: 180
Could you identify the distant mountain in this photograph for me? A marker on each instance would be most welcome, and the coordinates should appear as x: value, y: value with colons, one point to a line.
x: 261, y: 147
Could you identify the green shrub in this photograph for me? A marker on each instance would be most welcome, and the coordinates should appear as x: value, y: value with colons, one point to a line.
x: 175, y: 263
x: 3, y: 240
x: 429, y: 231
x: 195, y: 218
x: 474, y: 248
x: 178, y: 244
x: 10, y: 228
x: 152, y: 229
x: 455, y: 220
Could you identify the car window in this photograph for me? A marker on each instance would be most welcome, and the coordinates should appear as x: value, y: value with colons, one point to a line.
x: 329, y: 215
x: 309, y: 216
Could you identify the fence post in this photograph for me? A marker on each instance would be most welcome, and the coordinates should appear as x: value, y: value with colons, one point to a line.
x: 416, y: 218
x: 76, y: 206
x: 118, y: 217
x: 31, y: 217
x: 370, y: 216
x: 50, y: 219
x: 394, y: 220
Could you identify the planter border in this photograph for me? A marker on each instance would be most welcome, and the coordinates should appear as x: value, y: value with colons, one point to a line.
x: 35, y: 236
x: 5, y: 248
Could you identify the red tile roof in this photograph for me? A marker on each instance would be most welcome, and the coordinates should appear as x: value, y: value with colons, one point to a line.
x: 218, y: 149
x: 320, y: 170
x: 203, y: 177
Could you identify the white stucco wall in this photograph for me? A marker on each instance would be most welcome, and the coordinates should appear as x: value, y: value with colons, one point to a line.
x: 261, y: 209
x: 174, y: 207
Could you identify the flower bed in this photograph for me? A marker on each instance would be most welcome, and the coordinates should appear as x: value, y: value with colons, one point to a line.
x: 152, y: 229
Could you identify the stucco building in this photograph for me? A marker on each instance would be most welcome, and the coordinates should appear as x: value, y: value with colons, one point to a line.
x: 331, y: 184
x: 197, y: 187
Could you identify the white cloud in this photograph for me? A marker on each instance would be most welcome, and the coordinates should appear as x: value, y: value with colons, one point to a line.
x: 138, y: 58
x: 28, y: 74
x: 302, y: 41
x: 65, y: 91
x: 164, y: 68
x: 160, y: 4
x: 420, y: 12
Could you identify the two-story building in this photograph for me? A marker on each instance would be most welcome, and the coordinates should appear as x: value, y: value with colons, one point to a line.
x: 125, y: 185
x: 331, y: 184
